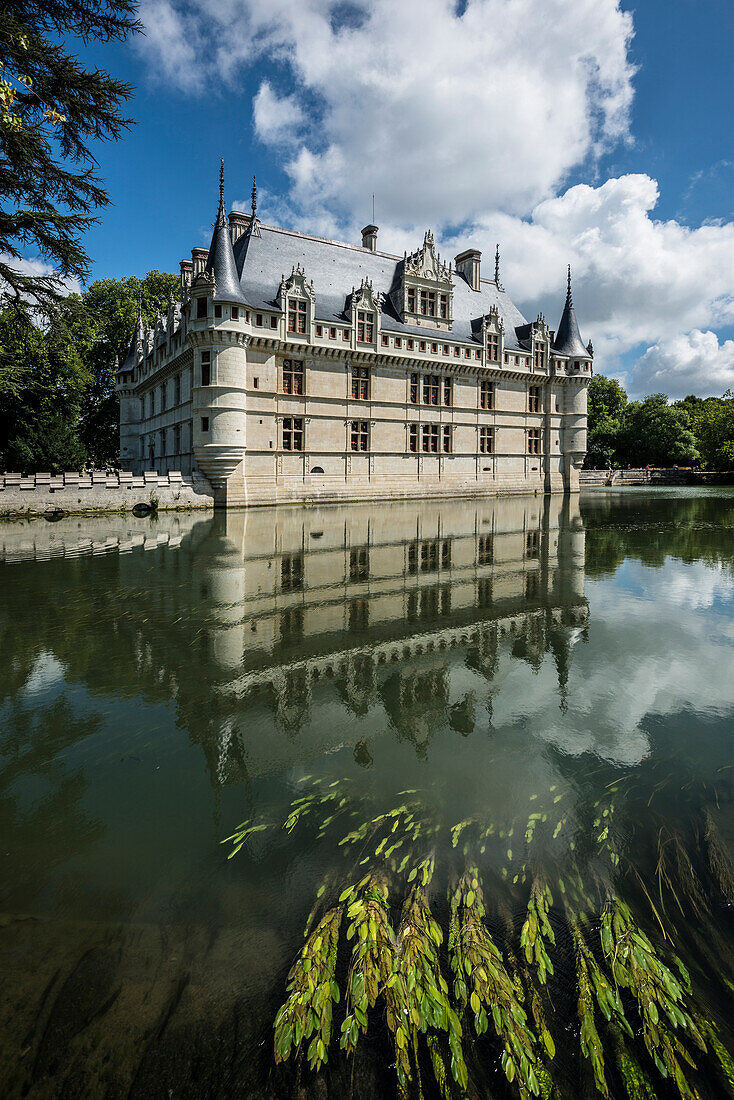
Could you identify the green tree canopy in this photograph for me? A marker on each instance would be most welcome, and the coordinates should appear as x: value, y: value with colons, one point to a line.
x: 68, y: 375
x: 713, y: 423
x: 656, y: 433
x: 52, y: 110
x: 607, y: 402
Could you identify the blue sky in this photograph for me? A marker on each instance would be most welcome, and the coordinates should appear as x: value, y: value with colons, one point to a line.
x: 579, y: 131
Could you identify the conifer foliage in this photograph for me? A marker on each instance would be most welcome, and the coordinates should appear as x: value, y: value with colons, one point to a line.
x: 52, y: 111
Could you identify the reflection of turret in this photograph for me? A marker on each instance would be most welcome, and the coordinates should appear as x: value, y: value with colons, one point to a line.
x: 416, y: 703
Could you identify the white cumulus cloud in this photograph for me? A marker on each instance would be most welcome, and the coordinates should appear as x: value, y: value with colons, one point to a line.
x: 692, y: 362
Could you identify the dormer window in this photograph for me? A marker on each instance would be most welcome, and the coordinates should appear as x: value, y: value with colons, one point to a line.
x: 428, y: 303
x: 365, y: 327
x: 539, y: 357
x: 297, y: 315
x: 493, y: 348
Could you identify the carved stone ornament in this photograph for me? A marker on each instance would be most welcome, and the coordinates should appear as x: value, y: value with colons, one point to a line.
x: 296, y: 286
x: 426, y: 263
x: 364, y: 297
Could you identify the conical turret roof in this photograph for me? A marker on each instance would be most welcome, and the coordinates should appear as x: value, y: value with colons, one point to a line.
x: 220, y: 261
x: 568, y: 338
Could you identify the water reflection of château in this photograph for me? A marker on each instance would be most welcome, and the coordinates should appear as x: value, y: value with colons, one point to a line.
x: 278, y: 632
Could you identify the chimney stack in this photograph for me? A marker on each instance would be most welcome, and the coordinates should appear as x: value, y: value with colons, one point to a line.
x: 467, y: 264
x: 369, y: 237
x: 199, y: 257
x: 187, y: 271
x: 238, y: 223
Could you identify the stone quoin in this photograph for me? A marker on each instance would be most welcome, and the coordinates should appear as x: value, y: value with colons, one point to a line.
x: 297, y: 368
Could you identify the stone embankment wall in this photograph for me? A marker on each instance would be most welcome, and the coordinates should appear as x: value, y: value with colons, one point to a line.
x: 589, y: 478
x: 41, y: 494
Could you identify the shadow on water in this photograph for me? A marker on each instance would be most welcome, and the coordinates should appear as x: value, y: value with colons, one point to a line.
x: 531, y: 671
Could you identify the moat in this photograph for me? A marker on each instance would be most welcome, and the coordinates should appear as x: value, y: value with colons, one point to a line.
x: 528, y: 701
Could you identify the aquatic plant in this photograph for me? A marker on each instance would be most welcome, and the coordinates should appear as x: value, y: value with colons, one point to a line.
x: 634, y: 999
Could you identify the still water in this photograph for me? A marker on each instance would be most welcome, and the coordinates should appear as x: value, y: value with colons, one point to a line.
x: 538, y: 693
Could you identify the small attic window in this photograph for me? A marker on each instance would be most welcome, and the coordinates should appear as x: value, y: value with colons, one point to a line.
x: 217, y: 310
x: 201, y: 306
x: 235, y: 313
x: 273, y: 322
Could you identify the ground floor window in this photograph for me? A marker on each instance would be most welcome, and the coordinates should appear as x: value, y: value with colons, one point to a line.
x: 486, y: 441
x: 292, y: 433
x: 533, y: 441
x: 359, y: 432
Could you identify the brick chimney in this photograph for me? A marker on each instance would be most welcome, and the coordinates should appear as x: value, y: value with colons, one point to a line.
x: 467, y: 264
x: 369, y: 237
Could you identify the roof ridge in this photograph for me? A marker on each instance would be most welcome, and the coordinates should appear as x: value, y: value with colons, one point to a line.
x: 325, y: 240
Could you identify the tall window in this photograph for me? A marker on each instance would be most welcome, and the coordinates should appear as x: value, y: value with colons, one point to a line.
x: 493, y: 348
x: 358, y: 435
x: 539, y: 358
x: 486, y: 395
x: 429, y: 438
x: 177, y: 440
x: 411, y: 299
x: 292, y: 433
x: 443, y: 303
x: 296, y: 315
x: 428, y: 303
x: 178, y: 389
x: 292, y: 376
x: 486, y: 441
x: 360, y: 383
x: 447, y: 387
x: 431, y: 385
x: 413, y: 438
x: 164, y: 391
x: 365, y: 327
x: 533, y: 441
x: 447, y: 439
x: 534, y: 399
x: 201, y: 304
x: 206, y: 368
x: 414, y: 389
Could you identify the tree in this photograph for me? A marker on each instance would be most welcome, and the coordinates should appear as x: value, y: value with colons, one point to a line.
x: 38, y: 423
x: 51, y: 110
x: 65, y: 413
x: 606, y: 404
x: 714, y: 427
x: 656, y: 433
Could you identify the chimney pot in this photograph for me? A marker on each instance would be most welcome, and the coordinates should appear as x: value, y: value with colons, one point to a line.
x: 369, y: 237
x: 187, y: 270
x: 468, y: 264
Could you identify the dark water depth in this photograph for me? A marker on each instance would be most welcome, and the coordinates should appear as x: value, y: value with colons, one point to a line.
x: 539, y: 695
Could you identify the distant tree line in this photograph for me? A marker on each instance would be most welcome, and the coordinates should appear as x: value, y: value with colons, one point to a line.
x: 58, y: 406
x: 657, y: 432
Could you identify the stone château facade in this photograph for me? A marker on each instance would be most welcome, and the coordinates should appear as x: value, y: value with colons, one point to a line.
x: 298, y: 368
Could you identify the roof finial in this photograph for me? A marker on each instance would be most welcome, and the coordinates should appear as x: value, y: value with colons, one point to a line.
x: 140, y: 306
x: 254, y: 196
x: 569, y: 299
x: 497, y: 266
x: 221, y: 179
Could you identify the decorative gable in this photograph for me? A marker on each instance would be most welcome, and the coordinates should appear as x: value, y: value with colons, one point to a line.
x: 364, y: 307
x: 423, y: 294
x: 297, y: 300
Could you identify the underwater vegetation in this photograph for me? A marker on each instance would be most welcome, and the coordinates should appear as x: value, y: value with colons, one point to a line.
x: 535, y: 956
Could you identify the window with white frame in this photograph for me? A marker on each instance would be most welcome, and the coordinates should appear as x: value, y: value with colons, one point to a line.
x: 486, y: 440
x: 360, y: 383
x: 534, y: 441
x: 293, y: 376
x: 486, y: 395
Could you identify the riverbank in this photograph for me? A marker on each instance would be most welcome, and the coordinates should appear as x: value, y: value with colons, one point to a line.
x: 652, y: 477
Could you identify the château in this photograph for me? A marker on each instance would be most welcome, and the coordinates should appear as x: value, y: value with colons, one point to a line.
x: 298, y: 368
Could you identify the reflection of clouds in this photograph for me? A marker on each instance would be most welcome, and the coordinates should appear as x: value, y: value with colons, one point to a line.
x: 46, y: 673
x: 693, y: 586
x: 658, y: 645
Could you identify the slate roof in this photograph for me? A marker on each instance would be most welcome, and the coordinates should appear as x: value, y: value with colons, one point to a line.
x: 336, y: 268
x: 568, y: 338
x: 220, y: 261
